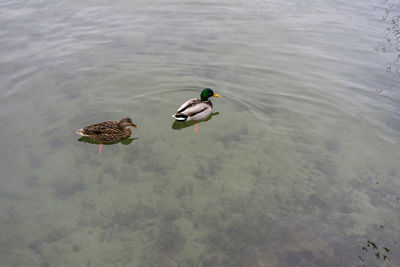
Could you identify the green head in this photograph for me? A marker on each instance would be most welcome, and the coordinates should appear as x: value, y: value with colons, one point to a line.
x: 207, y: 93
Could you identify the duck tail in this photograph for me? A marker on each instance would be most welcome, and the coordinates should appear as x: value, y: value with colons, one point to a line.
x: 81, y: 132
x: 180, y: 117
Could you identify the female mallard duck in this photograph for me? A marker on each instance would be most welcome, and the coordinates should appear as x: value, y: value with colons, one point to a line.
x: 196, y: 109
x: 108, y: 131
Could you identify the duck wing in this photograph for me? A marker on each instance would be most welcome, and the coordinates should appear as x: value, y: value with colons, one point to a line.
x: 192, y: 106
x: 107, y: 127
x: 187, y: 104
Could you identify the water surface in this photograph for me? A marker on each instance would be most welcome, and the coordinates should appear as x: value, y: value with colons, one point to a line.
x: 297, y: 167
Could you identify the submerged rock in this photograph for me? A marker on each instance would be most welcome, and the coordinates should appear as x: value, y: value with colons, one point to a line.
x: 32, y: 181
x: 170, y: 238
x: 65, y: 188
x: 57, y: 234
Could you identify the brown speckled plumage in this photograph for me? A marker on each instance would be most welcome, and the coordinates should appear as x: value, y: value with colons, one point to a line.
x: 108, y: 131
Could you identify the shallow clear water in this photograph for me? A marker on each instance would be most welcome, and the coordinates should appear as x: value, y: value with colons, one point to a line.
x: 299, y: 166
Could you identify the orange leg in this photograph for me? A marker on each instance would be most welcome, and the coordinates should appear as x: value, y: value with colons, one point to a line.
x: 196, y: 127
x: 100, y: 147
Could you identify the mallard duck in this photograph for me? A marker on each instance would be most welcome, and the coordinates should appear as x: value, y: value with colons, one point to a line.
x: 108, y: 131
x: 196, y: 109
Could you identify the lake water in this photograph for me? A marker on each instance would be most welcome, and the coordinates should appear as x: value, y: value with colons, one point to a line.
x: 298, y: 166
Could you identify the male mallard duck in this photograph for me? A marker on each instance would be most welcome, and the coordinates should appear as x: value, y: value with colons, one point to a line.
x: 196, y: 109
x: 108, y: 131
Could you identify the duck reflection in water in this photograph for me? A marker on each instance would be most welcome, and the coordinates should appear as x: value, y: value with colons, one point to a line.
x: 126, y: 141
x: 179, y: 125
